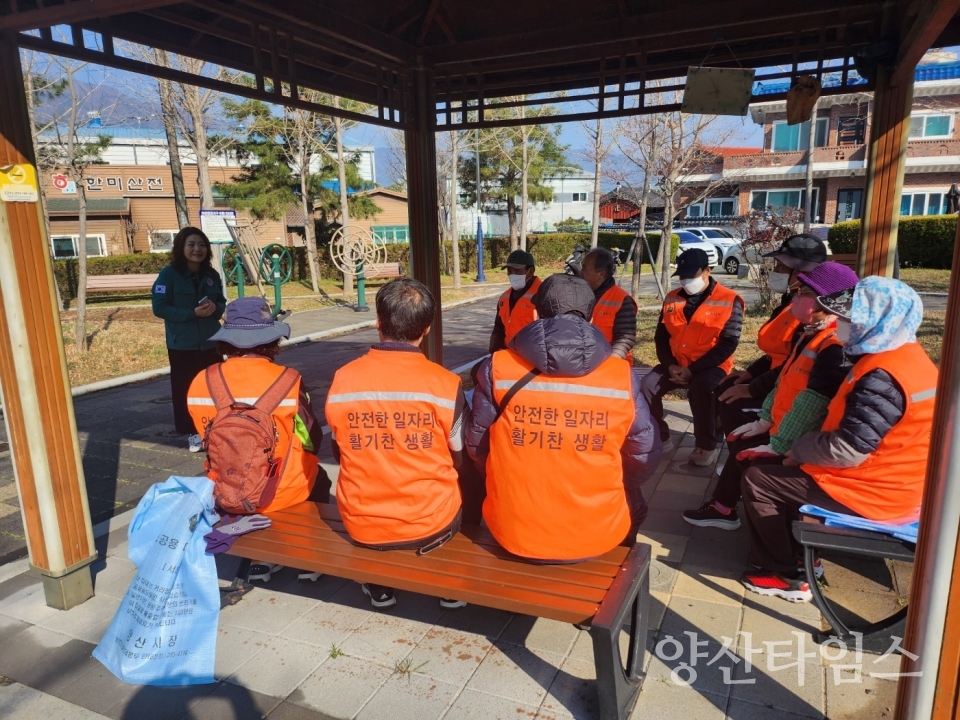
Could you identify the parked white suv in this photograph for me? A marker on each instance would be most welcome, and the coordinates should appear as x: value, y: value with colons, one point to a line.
x: 721, y: 238
x: 688, y: 240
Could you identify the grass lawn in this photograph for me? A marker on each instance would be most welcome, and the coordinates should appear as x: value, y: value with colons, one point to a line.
x: 924, y: 280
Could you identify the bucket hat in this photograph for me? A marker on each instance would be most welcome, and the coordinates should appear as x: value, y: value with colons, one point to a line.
x: 249, y: 324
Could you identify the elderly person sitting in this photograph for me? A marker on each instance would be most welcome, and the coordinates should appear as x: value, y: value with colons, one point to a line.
x: 870, y: 456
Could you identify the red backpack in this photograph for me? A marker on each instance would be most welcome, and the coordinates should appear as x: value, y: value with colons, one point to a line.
x: 241, y: 443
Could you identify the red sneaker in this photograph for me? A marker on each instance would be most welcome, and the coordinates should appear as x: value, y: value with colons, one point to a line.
x: 768, y: 583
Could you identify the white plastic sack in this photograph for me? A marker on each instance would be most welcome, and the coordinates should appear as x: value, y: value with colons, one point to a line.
x: 165, y: 631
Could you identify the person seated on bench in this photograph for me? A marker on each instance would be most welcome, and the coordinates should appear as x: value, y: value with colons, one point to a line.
x: 808, y: 379
x: 742, y: 392
x: 870, y: 456
x: 562, y: 430
x: 397, y: 421
x: 698, y: 332
x: 615, y: 310
x: 250, y: 340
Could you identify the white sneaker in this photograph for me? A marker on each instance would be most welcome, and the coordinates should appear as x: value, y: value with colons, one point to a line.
x: 308, y: 577
x: 196, y: 443
x: 451, y: 604
x: 263, y: 571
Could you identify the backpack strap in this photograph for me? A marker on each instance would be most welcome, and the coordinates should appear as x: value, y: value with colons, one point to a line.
x: 217, y: 385
x: 274, y: 395
x: 515, y: 388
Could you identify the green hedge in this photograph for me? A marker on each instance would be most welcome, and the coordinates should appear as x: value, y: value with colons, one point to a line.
x: 65, y: 271
x: 922, y: 241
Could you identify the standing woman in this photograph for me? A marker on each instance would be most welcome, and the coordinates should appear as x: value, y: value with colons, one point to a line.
x: 188, y: 295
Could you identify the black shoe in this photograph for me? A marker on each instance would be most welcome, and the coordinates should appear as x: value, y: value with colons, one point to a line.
x: 708, y: 516
x: 380, y: 596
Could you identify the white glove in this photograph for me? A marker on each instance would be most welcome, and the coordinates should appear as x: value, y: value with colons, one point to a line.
x: 751, y: 429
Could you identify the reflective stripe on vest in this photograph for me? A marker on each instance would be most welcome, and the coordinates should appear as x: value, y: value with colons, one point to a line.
x: 776, y: 337
x: 248, y: 378
x: 606, y: 308
x: 392, y: 414
x: 691, y: 340
x: 795, y: 374
x: 554, y: 471
x: 888, y: 484
x: 522, y: 313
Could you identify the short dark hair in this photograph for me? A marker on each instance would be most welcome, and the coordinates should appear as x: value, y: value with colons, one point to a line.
x: 405, y: 309
x: 603, y: 261
x: 268, y: 350
x: 177, y: 256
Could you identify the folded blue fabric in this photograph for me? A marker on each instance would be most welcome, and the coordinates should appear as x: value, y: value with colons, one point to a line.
x: 901, y: 532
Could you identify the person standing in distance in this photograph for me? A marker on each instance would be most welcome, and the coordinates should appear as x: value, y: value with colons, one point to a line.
x: 188, y: 296
x: 515, y: 306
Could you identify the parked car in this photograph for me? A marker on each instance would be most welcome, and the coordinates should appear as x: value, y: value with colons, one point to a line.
x: 689, y: 240
x: 723, y: 239
x: 736, y: 255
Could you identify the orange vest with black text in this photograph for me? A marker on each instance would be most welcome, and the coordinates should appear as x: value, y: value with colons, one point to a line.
x: 795, y: 373
x: 522, y: 313
x: 554, y: 472
x: 689, y: 341
x: 392, y: 413
x: 776, y: 336
x: 248, y: 378
x: 606, y: 308
x: 888, y: 484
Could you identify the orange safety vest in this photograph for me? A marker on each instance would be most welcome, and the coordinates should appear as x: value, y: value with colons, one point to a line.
x: 690, y: 341
x: 606, y: 308
x: 554, y: 472
x: 391, y: 414
x: 795, y: 373
x: 248, y: 378
x: 888, y: 484
x: 775, y: 338
x: 522, y: 313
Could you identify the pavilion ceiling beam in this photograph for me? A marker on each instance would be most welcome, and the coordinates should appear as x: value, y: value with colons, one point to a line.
x: 427, y: 21
x: 67, y: 13
x: 930, y: 19
x: 670, y: 26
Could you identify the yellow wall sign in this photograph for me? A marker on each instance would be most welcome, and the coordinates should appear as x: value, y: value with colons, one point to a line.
x: 18, y: 183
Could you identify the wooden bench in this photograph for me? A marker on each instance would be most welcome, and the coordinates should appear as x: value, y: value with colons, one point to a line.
x: 119, y: 283
x: 814, y: 536
x: 609, y: 592
x: 382, y: 270
x: 848, y: 259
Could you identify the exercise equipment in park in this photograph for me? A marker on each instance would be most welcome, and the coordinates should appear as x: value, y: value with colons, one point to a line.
x: 246, y: 260
x: 352, y: 249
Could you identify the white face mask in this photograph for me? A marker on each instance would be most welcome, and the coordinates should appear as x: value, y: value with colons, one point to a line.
x: 517, y: 282
x: 843, y: 330
x: 693, y: 286
x: 779, y: 282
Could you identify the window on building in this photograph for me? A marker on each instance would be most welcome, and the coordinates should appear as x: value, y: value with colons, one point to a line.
x: 579, y: 197
x: 851, y: 130
x: 787, y: 138
x: 695, y: 210
x: 721, y: 206
x: 65, y: 246
x: 923, y: 203
x: 392, y: 233
x: 162, y: 240
x: 763, y: 199
x: 928, y: 127
x: 849, y: 204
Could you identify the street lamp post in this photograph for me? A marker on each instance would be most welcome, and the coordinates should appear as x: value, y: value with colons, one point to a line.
x: 480, y: 276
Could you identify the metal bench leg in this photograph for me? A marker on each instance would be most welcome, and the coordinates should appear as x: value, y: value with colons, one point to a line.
x: 876, y: 638
x: 232, y: 594
x: 618, y: 686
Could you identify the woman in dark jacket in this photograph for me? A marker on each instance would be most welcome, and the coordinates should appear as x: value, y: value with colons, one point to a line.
x: 188, y: 295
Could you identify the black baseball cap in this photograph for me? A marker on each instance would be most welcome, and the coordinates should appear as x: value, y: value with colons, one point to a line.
x: 519, y: 259
x: 839, y: 303
x: 691, y: 262
x: 800, y: 252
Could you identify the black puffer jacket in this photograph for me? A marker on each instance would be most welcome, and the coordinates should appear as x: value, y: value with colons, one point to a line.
x: 875, y: 405
x: 566, y: 346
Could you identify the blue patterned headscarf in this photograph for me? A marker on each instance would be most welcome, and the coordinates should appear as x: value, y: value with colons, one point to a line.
x: 886, y: 314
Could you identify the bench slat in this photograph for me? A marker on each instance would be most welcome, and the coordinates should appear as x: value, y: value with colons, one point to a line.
x: 120, y: 282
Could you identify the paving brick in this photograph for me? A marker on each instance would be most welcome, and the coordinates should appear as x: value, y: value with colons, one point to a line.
x: 98, y: 690
x: 477, y: 620
x: 473, y: 705
x: 326, y: 623
x: 708, y: 584
x: 387, y: 637
x: 662, y: 576
x: 574, y: 690
x: 708, y: 620
x: 664, y: 499
x: 410, y: 696
x: 159, y: 703
x: 860, y: 697
x: 279, y: 667
x: 663, y: 699
x: 663, y: 546
x: 541, y: 634
x: 341, y: 686
x: 87, y: 621
x: 28, y: 605
x: 779, y: 687
x: 449, y: 655
x: 235, y: 646
x: 26, y: 703
x: 517, y: 673
x: 673, y: 663
x: 266, y: 610
x: 114, y: 579
x: 740, y: 710
x: 231, y: 702
x: 686, y: 485
x: 721, y: 550
x: 668, y: 522
x: 767, y: 627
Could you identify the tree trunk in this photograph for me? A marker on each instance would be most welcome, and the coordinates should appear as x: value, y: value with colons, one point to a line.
x: 665, y: 242
x: 638, y: 254
x: 168, y: 113
x: 344, y: 200
x: 309, y: 228
x: 595, y: 223
x: 454, y: 203
x: 808, y: 200
x: 512, y: 223
x: 81, y: 331
x: 524, y: 174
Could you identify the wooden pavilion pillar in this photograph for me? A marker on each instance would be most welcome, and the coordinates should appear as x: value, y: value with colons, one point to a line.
x: 421, y: 149
x: 38, y: 407
x: 886, y: 160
